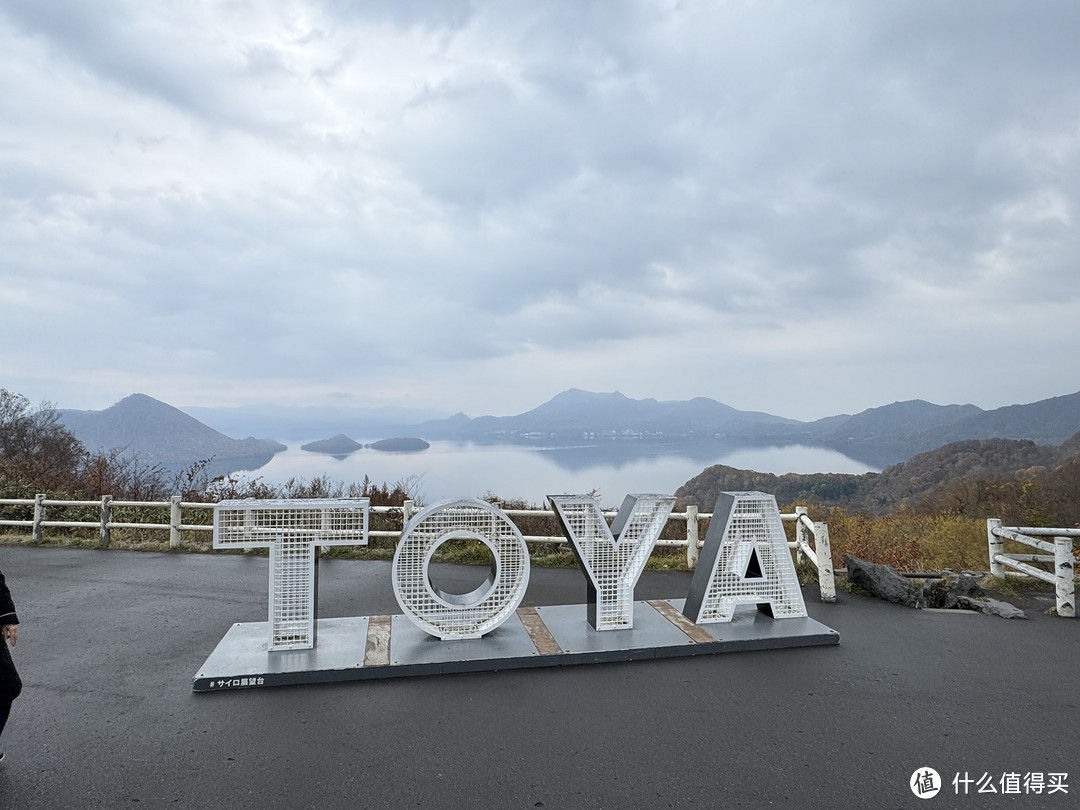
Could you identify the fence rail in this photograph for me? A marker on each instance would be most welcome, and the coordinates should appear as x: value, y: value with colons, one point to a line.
x: 811, y: 539
x: 1060, y: 554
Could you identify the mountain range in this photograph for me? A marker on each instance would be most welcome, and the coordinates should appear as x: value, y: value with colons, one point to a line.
x: 878, y: 436
x: 889, y: 434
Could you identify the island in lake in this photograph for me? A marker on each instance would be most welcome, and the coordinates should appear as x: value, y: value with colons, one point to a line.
x: 399, y: 445
x: 340, y: 445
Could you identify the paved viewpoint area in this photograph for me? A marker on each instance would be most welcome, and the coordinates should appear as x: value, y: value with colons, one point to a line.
x: 110, y: 641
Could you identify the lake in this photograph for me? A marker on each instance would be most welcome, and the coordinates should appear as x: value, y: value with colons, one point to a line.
x: 465, y: 469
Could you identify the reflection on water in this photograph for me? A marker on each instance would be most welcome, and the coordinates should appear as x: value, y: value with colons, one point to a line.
x: 466, y: 470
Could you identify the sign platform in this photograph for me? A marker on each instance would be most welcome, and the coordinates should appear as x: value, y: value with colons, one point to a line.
x: 368, y: 647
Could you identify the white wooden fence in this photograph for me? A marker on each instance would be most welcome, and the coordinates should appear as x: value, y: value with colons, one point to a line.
x: 1063, y: 577
x: 811, y: 539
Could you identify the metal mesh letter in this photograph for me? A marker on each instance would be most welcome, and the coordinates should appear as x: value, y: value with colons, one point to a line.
x: 459, y: 616
x: 745, y: 560
x: 291, y: 529
x: 612, y: 566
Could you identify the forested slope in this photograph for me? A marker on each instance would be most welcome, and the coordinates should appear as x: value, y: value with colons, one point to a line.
x: 1005, y: 478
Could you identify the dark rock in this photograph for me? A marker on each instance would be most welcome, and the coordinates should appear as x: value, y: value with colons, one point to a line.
x: 883, y: 581
x: 995, y: 607
x: 945, y: 593
x: 992, y: 607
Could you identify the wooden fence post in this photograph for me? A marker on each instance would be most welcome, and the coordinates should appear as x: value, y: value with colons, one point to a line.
x: 37, y: 535
x: 1064, y: 576
x: 106, y: 519
x: 800, y: 534
x: 174, y: 521
x: 692, y: 533
x: 826, y: 577
x: 996, y: 546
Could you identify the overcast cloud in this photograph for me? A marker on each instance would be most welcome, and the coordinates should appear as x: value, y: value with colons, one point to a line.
x: 801, y: 208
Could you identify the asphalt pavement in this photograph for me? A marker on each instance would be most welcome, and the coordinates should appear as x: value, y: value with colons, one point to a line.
x: 110, y: 641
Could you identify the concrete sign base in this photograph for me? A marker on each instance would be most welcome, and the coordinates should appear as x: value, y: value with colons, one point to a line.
x: 365, y: 647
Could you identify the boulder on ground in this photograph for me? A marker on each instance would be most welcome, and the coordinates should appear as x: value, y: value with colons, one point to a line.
x: 883, y: 581
x: 992, y: 607
x: 945, y: 593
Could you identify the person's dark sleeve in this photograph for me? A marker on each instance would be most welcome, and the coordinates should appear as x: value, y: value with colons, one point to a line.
x: 7, y: 606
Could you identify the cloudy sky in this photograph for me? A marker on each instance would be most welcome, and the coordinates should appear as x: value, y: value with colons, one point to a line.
x: 801, y: 208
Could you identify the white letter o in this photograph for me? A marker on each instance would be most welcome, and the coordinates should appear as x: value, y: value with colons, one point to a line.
x: 450, y: 616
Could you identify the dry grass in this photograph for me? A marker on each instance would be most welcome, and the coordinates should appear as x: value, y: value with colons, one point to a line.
x: 909, y: 541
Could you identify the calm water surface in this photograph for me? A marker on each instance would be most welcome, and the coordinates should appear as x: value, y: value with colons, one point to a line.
x: 466, y: 470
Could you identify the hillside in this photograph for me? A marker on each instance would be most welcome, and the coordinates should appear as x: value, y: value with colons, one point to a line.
x: 892, y: 432
x: 161, y: 434
x: 1048, y: 421
x: 954, y: 477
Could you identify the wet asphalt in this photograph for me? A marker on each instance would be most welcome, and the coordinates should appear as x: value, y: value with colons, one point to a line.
x: 110, y: 641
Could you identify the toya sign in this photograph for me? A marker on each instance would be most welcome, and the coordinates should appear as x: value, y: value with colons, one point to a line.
x: 744, y: 561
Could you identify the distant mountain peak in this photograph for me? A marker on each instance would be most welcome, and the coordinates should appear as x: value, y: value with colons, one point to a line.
x: 141, y: 401
x: 578, y: 395
x: 157, y: 432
